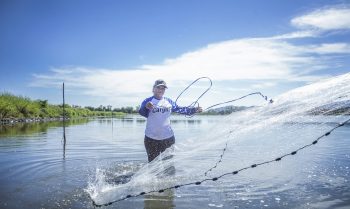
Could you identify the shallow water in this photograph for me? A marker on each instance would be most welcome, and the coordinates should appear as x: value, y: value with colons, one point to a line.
x: 37, y: 172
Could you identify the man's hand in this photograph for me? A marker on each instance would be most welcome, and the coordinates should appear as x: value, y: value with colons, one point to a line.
x: 149, y: 105
x: 199, y: 109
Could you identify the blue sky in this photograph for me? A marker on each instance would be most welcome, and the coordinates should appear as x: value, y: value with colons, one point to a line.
x: 110, y: 52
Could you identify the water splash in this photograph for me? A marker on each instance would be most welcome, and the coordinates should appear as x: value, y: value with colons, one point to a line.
x: 293, y: 120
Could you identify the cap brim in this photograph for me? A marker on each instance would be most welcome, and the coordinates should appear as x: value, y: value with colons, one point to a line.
x: 161, y: 85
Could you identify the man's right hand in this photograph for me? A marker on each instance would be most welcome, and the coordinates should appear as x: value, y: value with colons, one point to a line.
x: 149, y: 105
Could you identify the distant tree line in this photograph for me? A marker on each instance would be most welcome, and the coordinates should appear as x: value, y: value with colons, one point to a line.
x: 225, y: 110
x: 109, y: 108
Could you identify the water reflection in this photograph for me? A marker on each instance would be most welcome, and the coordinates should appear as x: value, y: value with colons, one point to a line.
x: 140, y: 120
x: 64, y: 139
x: 105, y: 120
x: 32, y: 128
x: 194, y: 121
x: 184, y: 121
x: 128, y: 120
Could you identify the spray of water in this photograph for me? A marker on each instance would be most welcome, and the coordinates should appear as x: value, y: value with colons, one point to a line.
x: 294, y: 119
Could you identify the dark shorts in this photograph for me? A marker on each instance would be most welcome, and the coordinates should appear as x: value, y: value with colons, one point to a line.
x: 155, y: 147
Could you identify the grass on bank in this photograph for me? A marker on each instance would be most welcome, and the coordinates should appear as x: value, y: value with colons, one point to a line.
x: 12, y: 106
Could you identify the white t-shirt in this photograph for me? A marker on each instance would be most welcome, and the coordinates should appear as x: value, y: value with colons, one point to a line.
x: 158, y: 119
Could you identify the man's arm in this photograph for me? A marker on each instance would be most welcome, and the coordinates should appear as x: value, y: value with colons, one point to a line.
x: 144, y: 111
x: 182, y: 110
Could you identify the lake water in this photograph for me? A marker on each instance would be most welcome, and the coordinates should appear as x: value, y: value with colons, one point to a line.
x: 38, y: 171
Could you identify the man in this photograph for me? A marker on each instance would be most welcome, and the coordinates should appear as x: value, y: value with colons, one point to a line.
x: 157, y: 109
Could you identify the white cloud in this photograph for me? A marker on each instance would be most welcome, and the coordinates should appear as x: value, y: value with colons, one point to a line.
x: 255, y: 59
x: 244, y: 59
x: 336, y: 18
x: 298, y: 34
x: 333, y: 48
